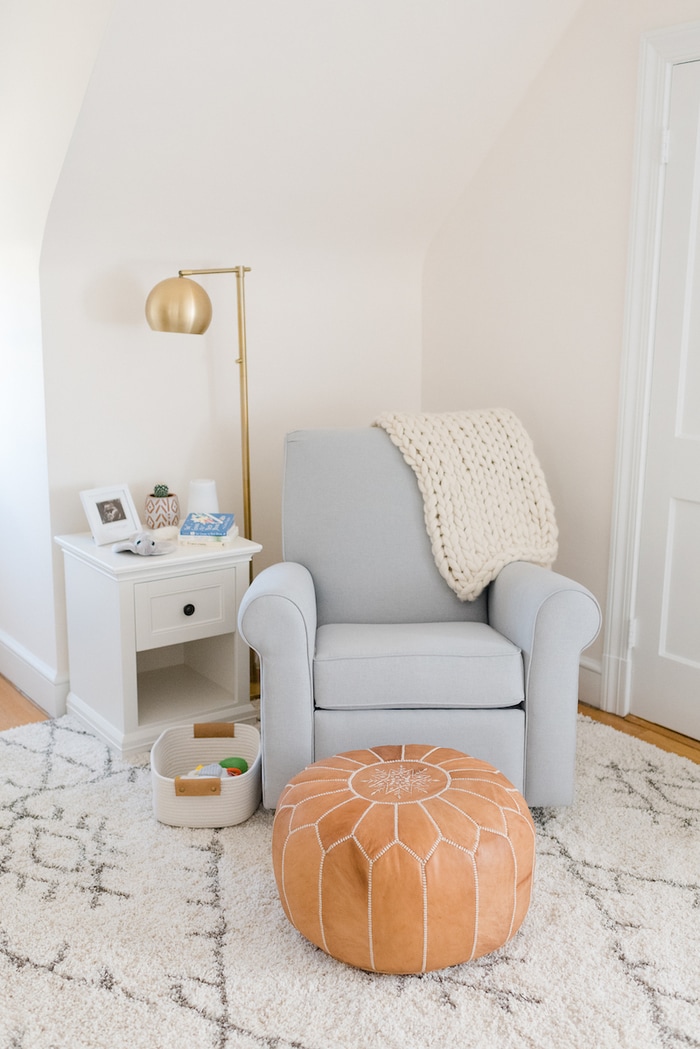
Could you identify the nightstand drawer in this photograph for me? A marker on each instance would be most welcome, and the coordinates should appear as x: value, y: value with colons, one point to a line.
x: 170, y: 611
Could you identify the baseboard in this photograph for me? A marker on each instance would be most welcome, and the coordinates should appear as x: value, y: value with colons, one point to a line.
x: 590, y: 682
x: 34, y: 678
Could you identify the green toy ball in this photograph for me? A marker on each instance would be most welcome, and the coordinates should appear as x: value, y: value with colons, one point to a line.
x: 234, y: 766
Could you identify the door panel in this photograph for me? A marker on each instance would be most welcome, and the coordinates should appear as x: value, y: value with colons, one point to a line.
x: 666, y: 660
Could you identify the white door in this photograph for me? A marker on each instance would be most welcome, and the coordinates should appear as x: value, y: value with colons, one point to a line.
x: 665, y: 682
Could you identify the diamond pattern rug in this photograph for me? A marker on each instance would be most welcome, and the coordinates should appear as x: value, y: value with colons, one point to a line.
x: 117, y: 931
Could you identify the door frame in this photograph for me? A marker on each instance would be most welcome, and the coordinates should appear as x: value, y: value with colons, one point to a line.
x: 660, y: 51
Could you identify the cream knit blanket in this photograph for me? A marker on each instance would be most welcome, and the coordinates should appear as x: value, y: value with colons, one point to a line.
x: 486, y: 500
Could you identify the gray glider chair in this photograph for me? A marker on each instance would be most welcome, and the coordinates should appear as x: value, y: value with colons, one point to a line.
x: 362, y: 642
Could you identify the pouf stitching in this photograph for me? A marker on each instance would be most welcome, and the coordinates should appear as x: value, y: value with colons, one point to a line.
x: 453, y: 762
x: 470, y: 852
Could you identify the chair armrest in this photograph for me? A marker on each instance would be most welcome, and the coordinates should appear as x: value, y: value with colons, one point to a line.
x: 277, y: 618
x: 551, y: 619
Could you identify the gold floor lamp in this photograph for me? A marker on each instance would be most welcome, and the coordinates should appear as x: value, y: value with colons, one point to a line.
x: 179, y: 304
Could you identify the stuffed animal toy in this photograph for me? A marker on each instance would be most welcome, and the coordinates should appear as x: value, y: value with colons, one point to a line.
x: 143, y: 543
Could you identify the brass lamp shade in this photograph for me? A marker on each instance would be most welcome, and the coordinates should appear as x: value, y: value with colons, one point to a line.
x: 179, y: 304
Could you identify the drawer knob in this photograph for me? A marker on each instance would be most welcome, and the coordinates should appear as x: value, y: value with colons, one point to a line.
x: 188, y: 610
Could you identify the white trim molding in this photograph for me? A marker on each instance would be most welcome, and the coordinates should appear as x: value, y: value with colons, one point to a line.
x: 46, y: 687
x: 589, y: 681
x: 660, y: 51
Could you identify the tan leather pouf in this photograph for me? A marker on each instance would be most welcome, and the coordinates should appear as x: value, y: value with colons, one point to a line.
x: 403, y: 859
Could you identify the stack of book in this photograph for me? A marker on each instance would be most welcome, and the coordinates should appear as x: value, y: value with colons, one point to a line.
x: 207, y: 529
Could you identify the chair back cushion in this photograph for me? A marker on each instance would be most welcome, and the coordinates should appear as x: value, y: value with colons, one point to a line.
x: 353, y: 516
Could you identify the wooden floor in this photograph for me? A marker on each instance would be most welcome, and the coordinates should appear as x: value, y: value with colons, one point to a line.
x: 664, y: 738
x: 16, y: 709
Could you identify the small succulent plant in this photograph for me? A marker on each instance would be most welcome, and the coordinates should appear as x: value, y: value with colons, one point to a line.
x: 162, y: 508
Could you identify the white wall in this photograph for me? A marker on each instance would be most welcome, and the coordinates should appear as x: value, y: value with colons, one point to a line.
x: 45, y: 62
x: 460, y: 167
x: 524, y: 287
x: 321, y: 144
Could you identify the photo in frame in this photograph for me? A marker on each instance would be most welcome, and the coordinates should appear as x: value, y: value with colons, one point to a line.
x: 111, y: 513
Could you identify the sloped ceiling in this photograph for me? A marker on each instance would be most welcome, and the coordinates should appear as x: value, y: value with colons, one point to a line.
x: 352, y: 120
x: 47, y: 53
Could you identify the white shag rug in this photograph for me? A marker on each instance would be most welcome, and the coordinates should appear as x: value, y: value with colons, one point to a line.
x: 120, y: 932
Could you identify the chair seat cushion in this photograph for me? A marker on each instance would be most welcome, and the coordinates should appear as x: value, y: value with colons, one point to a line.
x: 380, y: 665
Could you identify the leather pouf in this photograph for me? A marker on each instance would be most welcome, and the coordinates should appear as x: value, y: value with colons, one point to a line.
x: 403, y: 859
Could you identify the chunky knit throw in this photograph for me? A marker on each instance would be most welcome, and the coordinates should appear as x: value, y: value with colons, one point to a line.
x: 486, y: 500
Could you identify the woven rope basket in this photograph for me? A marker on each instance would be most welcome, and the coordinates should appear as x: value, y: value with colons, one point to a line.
x: 205, y: 802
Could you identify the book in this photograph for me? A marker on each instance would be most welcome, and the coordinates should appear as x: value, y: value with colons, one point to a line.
x: 208, y: 528
x: 209, y: 540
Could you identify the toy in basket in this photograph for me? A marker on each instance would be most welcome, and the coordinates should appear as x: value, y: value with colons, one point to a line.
x: 183, y: 800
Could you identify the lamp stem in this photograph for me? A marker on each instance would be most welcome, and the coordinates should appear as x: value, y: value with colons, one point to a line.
x: 243, y: 384
x: 242, y: 362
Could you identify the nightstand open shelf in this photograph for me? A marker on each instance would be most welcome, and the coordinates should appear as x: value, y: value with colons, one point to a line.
x: 177, y: 693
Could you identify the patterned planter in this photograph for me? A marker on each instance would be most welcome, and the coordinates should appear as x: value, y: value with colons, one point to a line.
x: 162, y: 511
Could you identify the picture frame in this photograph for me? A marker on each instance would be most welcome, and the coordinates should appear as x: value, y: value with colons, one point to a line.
x: 111, y: 513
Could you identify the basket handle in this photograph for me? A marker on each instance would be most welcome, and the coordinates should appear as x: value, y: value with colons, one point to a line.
x: 204, y: 786
x: 197, y: 786
x: 214, y: 729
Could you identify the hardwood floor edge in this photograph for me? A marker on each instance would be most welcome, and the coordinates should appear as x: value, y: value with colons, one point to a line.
x: 16, y: 709
x: 663, y: 738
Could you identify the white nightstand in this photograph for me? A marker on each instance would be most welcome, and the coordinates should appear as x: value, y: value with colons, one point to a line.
x: 153, y: 641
